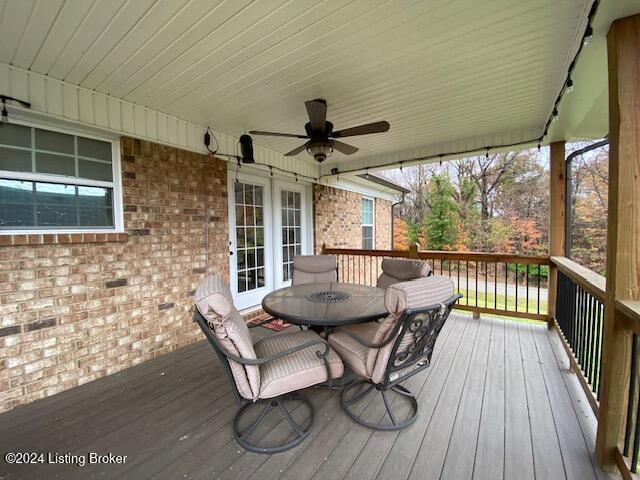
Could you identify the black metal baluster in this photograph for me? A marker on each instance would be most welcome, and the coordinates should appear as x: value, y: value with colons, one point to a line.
x: 467, y: 272
x: 486, y: 273
x: 495, y: 286
x: 538, y: 288
x: 600, y: 328
x: 506, y: 283
x: 526, y: 309
x: 477, y: 284
x: 517, y: 266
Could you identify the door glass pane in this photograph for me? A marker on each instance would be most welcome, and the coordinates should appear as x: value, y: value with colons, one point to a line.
x: 250, y: 240
x: 291, y: 241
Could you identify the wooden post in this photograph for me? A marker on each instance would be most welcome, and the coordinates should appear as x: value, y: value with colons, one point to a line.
x: 623, y: 247
x: 413, y: 250
x: 557, y: 218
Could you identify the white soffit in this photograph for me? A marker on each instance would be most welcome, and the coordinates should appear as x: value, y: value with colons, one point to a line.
x: 443, y: 73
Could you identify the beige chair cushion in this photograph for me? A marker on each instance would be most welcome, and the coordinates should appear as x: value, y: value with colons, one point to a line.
x: 396, y: 270
x: 422, y: 292
x: 314, y: 269
x: 372, y: 362
x: 214, y: 302
x: 353, y: 353
x: 298, y: 370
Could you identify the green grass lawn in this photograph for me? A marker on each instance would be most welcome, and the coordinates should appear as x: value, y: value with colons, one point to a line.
x: 502, y: 302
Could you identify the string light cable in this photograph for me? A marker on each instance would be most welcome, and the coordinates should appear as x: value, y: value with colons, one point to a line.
x: 567, y: 87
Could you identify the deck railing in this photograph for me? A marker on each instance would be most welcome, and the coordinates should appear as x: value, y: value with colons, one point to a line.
x: 580, y: 309
x: 628, y: 452
x: 579, y: 318
x: 491, y: 283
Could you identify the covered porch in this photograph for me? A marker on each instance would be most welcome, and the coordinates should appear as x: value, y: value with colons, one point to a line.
x: 499, y: 401
x: 535, y: 374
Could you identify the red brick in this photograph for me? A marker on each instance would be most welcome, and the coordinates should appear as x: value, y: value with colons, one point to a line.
x: 6, y: 240
x: 69, y: 278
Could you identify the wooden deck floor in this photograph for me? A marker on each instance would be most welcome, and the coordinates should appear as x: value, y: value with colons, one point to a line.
x: 497, y: 403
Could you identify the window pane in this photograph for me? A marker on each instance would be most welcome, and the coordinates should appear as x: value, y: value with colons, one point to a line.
x: 88, y: 147
x: 241, y: 260
x: 251, y: 237
x: 258, y: 195
x: 56, y: 216
x: 54, y: 141
x: 260, y: 277
x: 94, y: 197
x: 55, y: 194
x: 95, y: 217
x: 16, y: 192
x: 248, y: 194
x: 240, y: 242
x: 297, y: 200
x: 95, y: 170
x: 15, y: 160
x: 260, y: 237
x: 239, y: 215
x: 56, y: 164
x: 239, y: 193
x: 16, y: 215
x: 18, y: 135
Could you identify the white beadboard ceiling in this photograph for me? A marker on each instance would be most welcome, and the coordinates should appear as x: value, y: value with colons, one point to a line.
x: 447, y: 74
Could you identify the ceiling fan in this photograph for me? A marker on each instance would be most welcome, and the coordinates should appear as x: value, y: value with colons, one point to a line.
x: 320, y: 133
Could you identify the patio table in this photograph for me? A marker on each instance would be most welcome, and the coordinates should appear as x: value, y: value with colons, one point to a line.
x: 326, y: 305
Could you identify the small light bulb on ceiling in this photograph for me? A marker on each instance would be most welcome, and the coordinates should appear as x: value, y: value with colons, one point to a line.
x: 588, y: 35
x: 569, y: 88
x: 554, y: 115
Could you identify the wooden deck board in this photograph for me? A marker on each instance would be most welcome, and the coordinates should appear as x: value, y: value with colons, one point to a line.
x: 497, y: 402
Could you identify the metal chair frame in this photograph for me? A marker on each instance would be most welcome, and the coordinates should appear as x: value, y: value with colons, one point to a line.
x: 425, y: 323
x: 268, y: 404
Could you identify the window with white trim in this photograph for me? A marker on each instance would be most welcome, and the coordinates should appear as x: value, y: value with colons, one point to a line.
x: 56, y: 181
x: 368, y: 219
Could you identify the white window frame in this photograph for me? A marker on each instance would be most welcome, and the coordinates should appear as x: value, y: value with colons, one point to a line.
x: 116, y: 185
x: 250, y: 298
x: 305, y: 243
x: 372, y: 225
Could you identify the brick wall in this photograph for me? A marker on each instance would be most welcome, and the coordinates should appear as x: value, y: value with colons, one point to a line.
x: 337, y: 217
x: 74, y: 308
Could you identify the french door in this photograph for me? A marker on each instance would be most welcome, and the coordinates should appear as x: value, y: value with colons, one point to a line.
x: 269, y: 222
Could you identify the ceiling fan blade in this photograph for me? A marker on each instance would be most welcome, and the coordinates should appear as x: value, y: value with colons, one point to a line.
x: 297, y: 150
x: 276, y: 134
x: 343, y: 147
x: 317, y: 110
x: 376, y: 127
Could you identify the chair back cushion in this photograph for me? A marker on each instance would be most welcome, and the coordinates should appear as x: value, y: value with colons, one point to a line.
x: 214, y: 302
x: 396, y: 270
x: 422, y: 292
x: 314, y: 269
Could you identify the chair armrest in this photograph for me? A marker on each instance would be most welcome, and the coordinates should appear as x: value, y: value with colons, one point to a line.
x: 201, y: 321
x: 284, y: 353
x: 395, y: 329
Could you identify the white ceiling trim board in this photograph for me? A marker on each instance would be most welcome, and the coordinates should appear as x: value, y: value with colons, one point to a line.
x: 63, y: 101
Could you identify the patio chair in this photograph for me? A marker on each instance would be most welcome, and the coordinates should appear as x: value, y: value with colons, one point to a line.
x: 396, y: 270
x: 314, y: 269
x: 264, y: 375
x: 388, y: 353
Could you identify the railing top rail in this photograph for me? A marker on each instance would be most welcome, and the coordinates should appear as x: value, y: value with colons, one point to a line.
x: 589, y: 280
x: 445, y: 255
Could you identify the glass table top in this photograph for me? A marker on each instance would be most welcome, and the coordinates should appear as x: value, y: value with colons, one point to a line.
x: 326, y: 304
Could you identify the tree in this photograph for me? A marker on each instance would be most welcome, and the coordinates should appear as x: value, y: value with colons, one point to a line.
x: 440, y: 221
